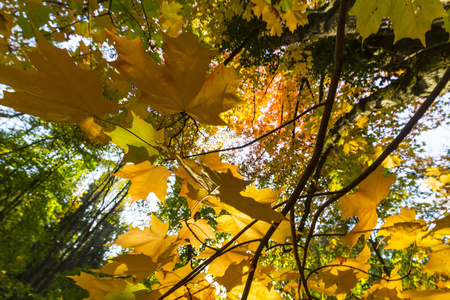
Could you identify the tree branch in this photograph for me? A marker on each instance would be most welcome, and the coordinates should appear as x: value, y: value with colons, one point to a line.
x: 261, y: 137
x: 389, y: 149
x: 320, y: 141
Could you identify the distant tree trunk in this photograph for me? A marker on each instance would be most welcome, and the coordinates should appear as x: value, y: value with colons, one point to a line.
x: 94, y: 225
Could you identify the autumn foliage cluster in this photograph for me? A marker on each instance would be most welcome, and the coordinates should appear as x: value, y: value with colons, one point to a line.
x: 293, y: 148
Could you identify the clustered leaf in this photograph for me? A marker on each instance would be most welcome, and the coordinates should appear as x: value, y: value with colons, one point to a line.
x: 410, y: 18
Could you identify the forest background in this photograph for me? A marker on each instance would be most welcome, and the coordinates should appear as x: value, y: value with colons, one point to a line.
x: 286, y: 164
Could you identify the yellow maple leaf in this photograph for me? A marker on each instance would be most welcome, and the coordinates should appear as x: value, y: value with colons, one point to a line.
x: 386, y: 289
x: 391, y: 161
x: 235, y: 221
x: 261, y: 195
x: 234, y: 274
x: 6, y: 23
x: 59, y: 91
x: 276, y: 29
x: 181, y: 84
x: 433, y: 183
x: 258, y: 291
x: 98, y: 286
x: 427, y: 294
x: 433, y: 171
x: 170, y: 18
x: 138, y: 265
x: 169, y: 277
x: 212, y: 160
x: 196, y: 231
x: 402, y: 229
x: 218, y: 267
x: 296, y: 16
x: 261, y: 8
x: 342, y: 276
x: 442, y: 227
x: 228, y: 190
x: 363, y: 204
x: 225, y: 187
x: 145, y: 179
x: 151, y: 241
x: 439, y: 262
x: 141, y: 134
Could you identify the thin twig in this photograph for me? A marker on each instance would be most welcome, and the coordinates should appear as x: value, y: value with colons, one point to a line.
x: 259, y: 138
x: 198, y: 239
x: 204, y: 264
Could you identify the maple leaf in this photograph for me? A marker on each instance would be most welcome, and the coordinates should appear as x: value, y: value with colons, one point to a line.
x: 410, y: 18
x: 236, y: 220
x: 58, y: 91
x: 296, y: 16
x: 363, y: 204
x: 442, y: 227
x: 218, y: 268
x: 6, y: 23
x: 386, y: 289
x: 169, y: 17
x: 369, y: 15
x: 262, y: 8
x: 265, y: 195
x: 439, y: 262
x: 233, y: 275
x: 433, y: 183
x: 227, y: 188
x: 181, y: 84
x: 98, y: 286
x: 426, y: 294
x: 138, y: 265
x: 196, y: 231
x: 414, y: 18
x: 342, y: 276
x: 257, y: 291
x: 151, y: 241
x: 402, y: 230
x: 141, y: 134
x: 212, y: 160
x: 169, y: 277
x: 146, y: 178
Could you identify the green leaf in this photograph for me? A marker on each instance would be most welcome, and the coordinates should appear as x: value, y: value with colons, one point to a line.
x: 141, y: 134
x: 413, y: 18
x: 369, y: 15
x: 410, y: 18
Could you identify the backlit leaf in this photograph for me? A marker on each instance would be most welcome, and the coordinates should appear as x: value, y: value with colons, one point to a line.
x: 141, y: 134
x: 363, y: 204
x: 439, y: 262
x: 181, y: 84
x: 151, y: 241
x: 196, y: 231
x: 402, y: 229
x: 59, y: 91
x: 145, y: 179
